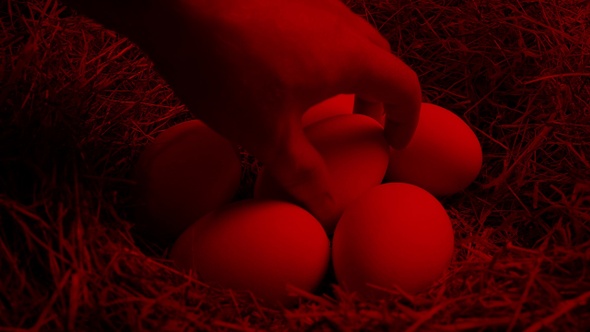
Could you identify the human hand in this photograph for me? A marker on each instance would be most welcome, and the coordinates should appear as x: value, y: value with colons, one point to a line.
x: 250, y: 69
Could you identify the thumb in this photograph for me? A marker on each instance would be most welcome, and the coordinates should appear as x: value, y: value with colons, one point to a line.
x: 301, y: 172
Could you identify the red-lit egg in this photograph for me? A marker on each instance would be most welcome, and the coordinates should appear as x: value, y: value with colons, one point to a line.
x: 396, y: 234
x: 256, y: 245
x: 443, y: 157
x: 355, y: 152
x: 337, y: 105
x: 186, y: 172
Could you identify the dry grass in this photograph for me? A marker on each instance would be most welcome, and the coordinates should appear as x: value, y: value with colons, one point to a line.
x: 78, y: 103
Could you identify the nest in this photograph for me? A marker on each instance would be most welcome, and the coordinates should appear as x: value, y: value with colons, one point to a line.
x: 78, y: 103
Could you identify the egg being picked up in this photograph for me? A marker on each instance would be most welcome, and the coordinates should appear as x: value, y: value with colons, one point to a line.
x: 337, y: 105
x: 186, y: 172
x: 261, y: 246
x: 444, y: 156
x: 356, y: 154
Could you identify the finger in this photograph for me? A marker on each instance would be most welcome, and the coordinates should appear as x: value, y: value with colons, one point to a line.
x: 277, y: 139
x: 358, y: 23
x: 363, y: 104
x: 296, y: 166
x: 302, y: 173
x: 369, y: 108
x: 383, y: 77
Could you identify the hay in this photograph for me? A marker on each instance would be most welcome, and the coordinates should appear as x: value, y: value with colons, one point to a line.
x: 78, y: 103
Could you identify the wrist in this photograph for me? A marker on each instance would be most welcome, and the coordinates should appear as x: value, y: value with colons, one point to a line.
x: 145, y: 22
x: 113, y: 14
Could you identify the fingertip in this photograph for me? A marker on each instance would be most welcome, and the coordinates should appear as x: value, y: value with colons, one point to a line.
x: 373, y: 109
x: 327, y: 213
x: 398, y: 135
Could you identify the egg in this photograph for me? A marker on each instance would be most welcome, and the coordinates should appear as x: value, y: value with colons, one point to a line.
x: 187, y: 171
x: 337, y: 105
x: 355, y: 152
x: 444, y: 156
x: 256, y: 245
x: 396, y: 234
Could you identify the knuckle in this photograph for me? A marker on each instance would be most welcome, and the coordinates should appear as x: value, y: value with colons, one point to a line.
x: 382, y: 41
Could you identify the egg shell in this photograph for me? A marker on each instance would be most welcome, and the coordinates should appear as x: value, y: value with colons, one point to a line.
x: 444, y: 156
x: 256, y: 245
x: 186, y: 172
x: 396, y: 234
x: 337, y: 105
x: 355, y: 152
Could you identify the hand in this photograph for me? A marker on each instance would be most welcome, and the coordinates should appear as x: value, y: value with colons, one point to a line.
x: 250, y: 69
